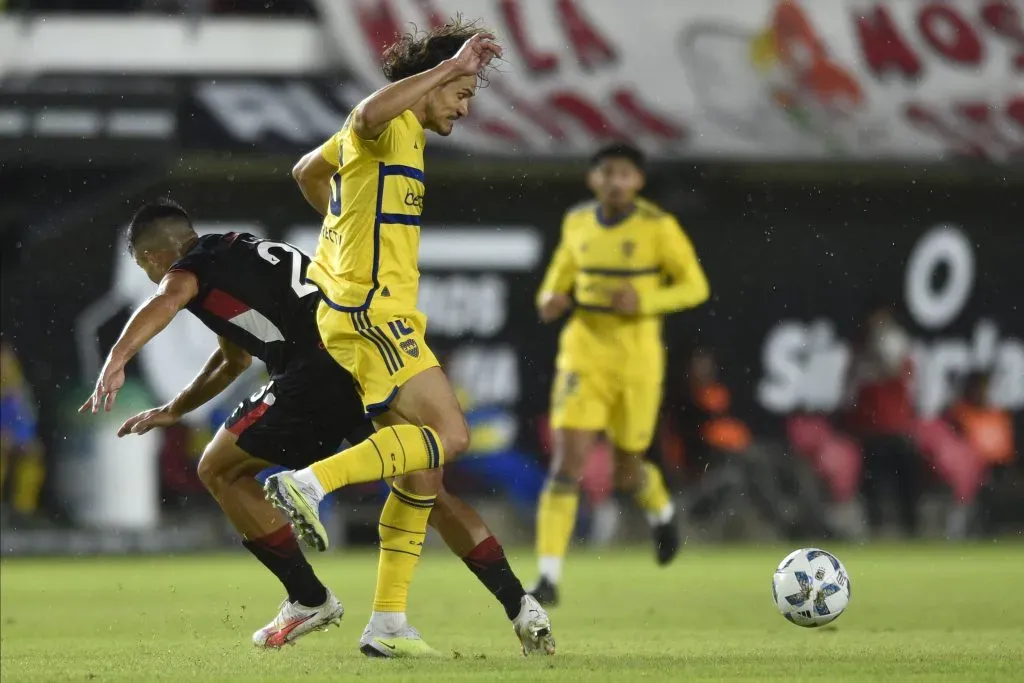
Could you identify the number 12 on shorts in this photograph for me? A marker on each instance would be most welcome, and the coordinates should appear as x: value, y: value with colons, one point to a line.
x: 399, y: 329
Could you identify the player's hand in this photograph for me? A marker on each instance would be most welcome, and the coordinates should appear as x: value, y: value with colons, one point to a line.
x: 626, y: 300
x: 475, y: 54
x: 553, y: 305
x: 149, y: 419
x: 111, y: 381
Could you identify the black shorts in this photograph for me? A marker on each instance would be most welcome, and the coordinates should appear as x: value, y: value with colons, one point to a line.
x: 302, y: 415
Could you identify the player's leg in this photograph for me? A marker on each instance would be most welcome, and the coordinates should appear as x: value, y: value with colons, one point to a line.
x: 466, y: 535
x: 401, y: 530
x: 426, y: 399
x: 633, y: 423
x: 227, y: 469
x: 642, y: 479
x: 557, y: 507
x: 433, y: 431
x: 579, y: 411
x: 412, y: 386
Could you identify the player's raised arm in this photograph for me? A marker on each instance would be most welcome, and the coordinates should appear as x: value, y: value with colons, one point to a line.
x: 688, y: 286
x: 223, y: 367
x: 175, y: 291
x: 372, y: 117
x: 553, y: 296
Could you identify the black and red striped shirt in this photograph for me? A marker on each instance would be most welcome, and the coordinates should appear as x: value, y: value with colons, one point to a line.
x: 254, y: 293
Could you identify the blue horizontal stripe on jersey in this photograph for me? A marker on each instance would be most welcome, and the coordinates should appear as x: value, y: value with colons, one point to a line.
x: 407, y: 171
x: 621, y: 272
x: 398, y: 219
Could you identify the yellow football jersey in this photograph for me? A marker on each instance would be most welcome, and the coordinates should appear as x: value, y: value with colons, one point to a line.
x: 367, y: 256
x: 646, y: 249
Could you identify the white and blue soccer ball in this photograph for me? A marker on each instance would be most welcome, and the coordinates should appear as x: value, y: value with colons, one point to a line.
x: 811, y: 587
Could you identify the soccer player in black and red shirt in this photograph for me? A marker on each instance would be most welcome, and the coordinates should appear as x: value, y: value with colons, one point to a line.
x: 253, y: 294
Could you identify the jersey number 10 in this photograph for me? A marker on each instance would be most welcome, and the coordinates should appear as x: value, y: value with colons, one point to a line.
x: 336, y: 194
x: 335, y: 207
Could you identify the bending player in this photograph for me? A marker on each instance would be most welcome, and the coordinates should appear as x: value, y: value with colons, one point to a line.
x: 368, y: 183
x: 253, y: 295
x: 614, y: 256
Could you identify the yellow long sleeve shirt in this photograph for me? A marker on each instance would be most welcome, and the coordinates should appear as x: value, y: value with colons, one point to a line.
x: 647, y: 249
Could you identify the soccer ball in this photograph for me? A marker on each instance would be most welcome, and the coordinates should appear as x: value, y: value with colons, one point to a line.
x: 811, y: 587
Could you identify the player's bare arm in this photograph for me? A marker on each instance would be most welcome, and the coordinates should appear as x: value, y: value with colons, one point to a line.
x: 175, y: 291
x: 371, y: 118
x: 224, y: 366
x: 313, y: 173
x: 553, y: 305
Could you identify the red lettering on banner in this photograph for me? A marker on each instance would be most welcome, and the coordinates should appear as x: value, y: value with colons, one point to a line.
x: 434, y: 18
x: 1005, y: 20
x: 630, y: 104
x: 949, y: 34
x: 984, y: 128
x: 974, y: 129
x: 883, y: 47
x: 379, y: 25
x: 538, y: 62
x: 590, y: 47
x: 536, y: 115
x: 502, y: 130
x: 1016, y: 112
x: 924, y: 118
x: 589, y: 116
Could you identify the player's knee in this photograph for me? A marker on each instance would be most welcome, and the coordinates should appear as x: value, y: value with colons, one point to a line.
x: 217, y: 469
x: 211, y: 470
x: 566, y: 466
x: 627, y: 480
x: 628, y: 472
x: 421, y: 483
x: 454, y: 439
x: 562, y: 483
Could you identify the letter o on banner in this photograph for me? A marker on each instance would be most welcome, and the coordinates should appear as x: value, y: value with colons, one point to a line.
x: 934, y: 307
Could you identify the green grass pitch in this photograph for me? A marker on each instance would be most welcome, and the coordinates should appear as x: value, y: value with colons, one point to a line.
x: 918, y: 613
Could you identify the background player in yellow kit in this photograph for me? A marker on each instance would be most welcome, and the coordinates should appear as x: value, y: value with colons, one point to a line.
x: 368, y: 182
x: 626, y: 263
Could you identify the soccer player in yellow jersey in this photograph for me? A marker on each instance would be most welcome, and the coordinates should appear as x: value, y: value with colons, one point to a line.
x: 368, y: 183
x: 625, y: 263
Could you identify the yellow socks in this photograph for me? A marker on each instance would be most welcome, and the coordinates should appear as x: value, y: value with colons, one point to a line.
x: 391, y: 452
x: 556, y: 517
x: 402, y: 528
x: 653, y: 497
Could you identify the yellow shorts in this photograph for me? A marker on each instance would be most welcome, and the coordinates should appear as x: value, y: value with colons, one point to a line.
x: 382, y: 350
x: 627, y: 411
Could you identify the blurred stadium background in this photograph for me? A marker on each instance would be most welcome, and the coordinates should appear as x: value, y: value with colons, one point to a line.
x: 836, y: 164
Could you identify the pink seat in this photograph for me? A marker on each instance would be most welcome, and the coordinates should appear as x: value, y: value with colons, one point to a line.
x: 953, y: 458
x: 835, y: 457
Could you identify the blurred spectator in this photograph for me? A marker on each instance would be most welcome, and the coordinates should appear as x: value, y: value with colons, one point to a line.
x: 989, y: 430
x: 882, y: 416
x: 707, y: 427
x: 22, y: 467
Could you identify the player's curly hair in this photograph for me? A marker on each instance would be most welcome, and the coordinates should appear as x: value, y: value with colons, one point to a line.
x: 419, y: 51
x: 156, y: 223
